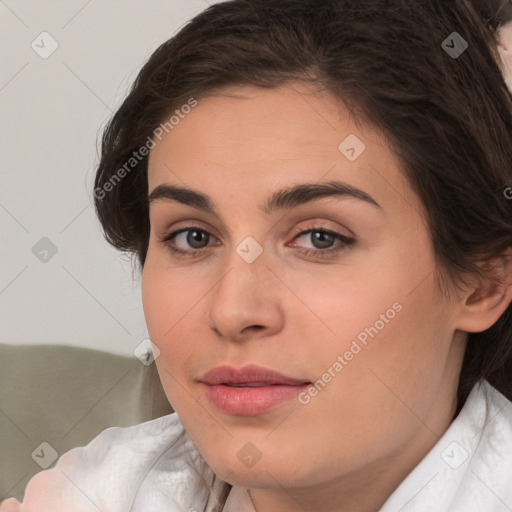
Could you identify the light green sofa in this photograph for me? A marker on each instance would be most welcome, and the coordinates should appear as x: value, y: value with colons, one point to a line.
x: 53, y: 398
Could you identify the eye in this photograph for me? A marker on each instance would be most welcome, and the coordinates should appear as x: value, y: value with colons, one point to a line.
x: 323, y: 242
x: 192, y: 241
x: 193, y: 237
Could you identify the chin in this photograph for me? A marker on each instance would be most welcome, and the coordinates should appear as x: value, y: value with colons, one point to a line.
x: 259, y: 479
x: 267, y: 473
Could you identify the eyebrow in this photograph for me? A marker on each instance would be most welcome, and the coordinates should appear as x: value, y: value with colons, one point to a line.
x: 279, y: 200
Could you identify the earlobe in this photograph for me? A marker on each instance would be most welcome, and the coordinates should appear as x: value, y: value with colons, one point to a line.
x: 484, y: 303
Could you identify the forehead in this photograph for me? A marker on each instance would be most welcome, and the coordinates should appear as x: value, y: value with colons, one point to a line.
x: 248, y: 139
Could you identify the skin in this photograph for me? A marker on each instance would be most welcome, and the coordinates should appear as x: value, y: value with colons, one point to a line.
x: 357, y: 439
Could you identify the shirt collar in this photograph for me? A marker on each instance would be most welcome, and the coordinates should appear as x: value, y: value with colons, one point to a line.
x: 239, y: 501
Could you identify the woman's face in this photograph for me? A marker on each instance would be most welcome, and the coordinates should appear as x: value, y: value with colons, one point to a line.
x: 327, y: 288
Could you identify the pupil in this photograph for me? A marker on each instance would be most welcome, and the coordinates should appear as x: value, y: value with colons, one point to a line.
x: 321, y: 240
x: 195, y: 238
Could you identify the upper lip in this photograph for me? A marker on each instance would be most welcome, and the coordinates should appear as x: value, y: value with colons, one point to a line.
x: 252, y: 373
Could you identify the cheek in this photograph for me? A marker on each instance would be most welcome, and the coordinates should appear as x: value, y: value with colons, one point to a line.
x: 173, y: 308
x: 166, y: 304
x: 343, y: 307
x: 169, y: 297
x: 389, y: 327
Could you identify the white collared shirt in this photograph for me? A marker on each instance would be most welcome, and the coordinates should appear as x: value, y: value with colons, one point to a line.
x: 137, y: 469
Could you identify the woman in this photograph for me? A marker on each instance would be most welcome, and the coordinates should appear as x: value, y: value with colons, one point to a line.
x: 319, y: 197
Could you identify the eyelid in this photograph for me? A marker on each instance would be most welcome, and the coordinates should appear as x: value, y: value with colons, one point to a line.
x: 329, y: 232
x: 166, y: 239
x: 183, y: 225
x: 320, y: 226
x: 345, y: 243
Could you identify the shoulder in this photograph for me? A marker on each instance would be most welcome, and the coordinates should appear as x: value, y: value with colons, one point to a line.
x: 469, y: 466
x: 493, y: 409
x: 482, y: 433
x: 110, y: 472
x: 128, y: 445
x: 486, y: 461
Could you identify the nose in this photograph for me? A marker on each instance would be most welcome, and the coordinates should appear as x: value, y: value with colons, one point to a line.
x: 245, y: 303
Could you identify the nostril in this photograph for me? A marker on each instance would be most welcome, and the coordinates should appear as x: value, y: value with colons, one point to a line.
x: 255, y: 327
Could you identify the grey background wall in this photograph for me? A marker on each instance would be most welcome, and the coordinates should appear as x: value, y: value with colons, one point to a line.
x: 66, y: 66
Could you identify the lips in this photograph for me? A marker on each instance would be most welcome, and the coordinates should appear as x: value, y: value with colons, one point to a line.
x: 250, y: 376
x: 250, y: 390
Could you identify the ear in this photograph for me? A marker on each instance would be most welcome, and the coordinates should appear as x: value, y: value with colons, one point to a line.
x: 484, y: 302
x: 505, y: 52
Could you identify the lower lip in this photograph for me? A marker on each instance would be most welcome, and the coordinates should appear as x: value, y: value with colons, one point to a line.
x: 250, y: 401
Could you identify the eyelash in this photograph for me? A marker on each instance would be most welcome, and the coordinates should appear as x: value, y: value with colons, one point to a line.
x: 347, y: 243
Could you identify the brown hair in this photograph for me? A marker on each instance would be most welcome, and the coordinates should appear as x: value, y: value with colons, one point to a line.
x: 448, y: 120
